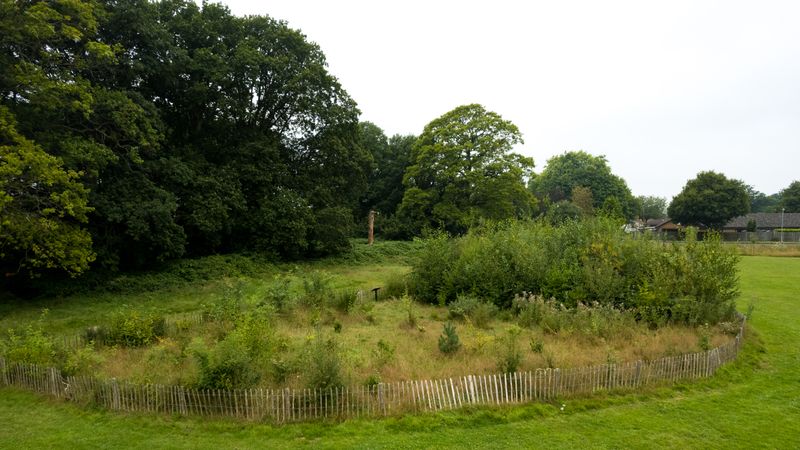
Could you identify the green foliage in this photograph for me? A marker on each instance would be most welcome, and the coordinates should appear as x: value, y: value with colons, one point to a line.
x: 132, y: 328
x: 31, y: 345
x: 317, y: 290
x: 384, y: 353
x: 239, y: 359
x: 462, y: 170
x: 509, y: 355
x: 82, y: 361
x: 239, y: 139
x: 586, y: 261
x: 410, y: 310
x: 566, y: 172
x: 390, y: 159
x: 478, y: 312
x: 710, y: 200
x: 42, y: 208
x: 790, y: 198
x: 651, y: 207
x: 449, y: 342
x: 537, y: 346
x: 562, y: 211
x: 323, y: 364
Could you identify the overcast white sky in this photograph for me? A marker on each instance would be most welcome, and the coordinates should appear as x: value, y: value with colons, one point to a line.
x: 663, y: 89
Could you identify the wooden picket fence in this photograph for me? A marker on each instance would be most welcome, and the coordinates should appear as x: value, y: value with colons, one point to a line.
x: 383, y: 399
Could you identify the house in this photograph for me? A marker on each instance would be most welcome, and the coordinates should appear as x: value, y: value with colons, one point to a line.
x: 665, y: 227
x: 768, y: 227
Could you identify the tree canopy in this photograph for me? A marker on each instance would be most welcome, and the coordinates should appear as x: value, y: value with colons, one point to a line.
x: 463, y: 170
x: 710, y: 200
x: 571, y: 170
x: 790, y: 197
x: 169, y: 128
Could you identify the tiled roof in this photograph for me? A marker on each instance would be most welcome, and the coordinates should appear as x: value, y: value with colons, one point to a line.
x: 766, y: 220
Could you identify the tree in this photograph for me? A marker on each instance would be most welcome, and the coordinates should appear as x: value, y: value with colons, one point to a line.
x: 192, y: 130
x: 582, y: 198
x: 790, y: 197
x: 463, y: 170
x: 564, y: 173
x: 651, y: 207
x: 390, y: 158
x: 760, y: 202
x: 42, y: 209
x: 710, y: 200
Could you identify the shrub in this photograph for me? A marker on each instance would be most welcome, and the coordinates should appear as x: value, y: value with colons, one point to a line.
x: 323, y: 365
x: 509, y: 355
x: 278, y: 293
x: 238, y: 360
x: 344, y: 300
x: 537, y: 346
x: 132, y: 328
x: 395, y: 287
x: 383, y: 354
x: 448, y: 341
x: 316, y: 289
x: 468, y: 307
x: 411, y: 313
x: 31, y: 345
x: 82, y: 361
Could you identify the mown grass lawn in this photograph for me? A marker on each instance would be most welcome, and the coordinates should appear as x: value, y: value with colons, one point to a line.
x: 754, y: 403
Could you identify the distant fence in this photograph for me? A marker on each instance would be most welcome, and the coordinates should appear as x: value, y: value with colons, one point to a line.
x: 761, y: 236
x: 383, y: 399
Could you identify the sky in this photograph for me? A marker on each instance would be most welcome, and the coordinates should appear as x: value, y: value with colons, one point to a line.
x: 663, y: 89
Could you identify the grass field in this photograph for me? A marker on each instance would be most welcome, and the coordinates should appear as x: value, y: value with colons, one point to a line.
x: 753, y: 403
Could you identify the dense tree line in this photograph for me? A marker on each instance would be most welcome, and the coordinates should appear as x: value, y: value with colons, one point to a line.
x: 136, y: 131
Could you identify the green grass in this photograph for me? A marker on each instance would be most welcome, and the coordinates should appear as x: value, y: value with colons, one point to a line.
x: 753, y: 403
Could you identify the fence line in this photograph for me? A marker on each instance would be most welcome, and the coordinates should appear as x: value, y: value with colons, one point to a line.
x: 383, y: 399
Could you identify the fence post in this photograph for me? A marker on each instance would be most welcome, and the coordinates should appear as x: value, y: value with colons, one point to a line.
x: 115, y: 400
x: 381, y: 403
x: 3, y: 372
x: 55, y: 382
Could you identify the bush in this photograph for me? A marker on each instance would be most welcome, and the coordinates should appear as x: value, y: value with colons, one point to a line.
x: 317, y: 289
x: 509, y: 355
x: 31, y: 345
x: 468, y: 307
x: 448, y: 341
x: 82, y: 361
x: 344, y: 300
x: 323, y: 365
x: 132, y: 328
x: 238, y: 360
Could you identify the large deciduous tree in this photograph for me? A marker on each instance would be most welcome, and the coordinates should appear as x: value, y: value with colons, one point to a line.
x: 463, y: 170
x: 564, y: 173
x: 710, y: 200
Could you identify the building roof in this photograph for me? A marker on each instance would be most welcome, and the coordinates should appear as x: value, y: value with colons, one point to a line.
x: 656, y: 223
x: 766, y: 220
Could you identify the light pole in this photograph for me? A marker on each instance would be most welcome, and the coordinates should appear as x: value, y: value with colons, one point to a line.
x: 783, y: 210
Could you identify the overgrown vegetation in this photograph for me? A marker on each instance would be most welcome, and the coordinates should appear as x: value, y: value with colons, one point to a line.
x: 589, y: 261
